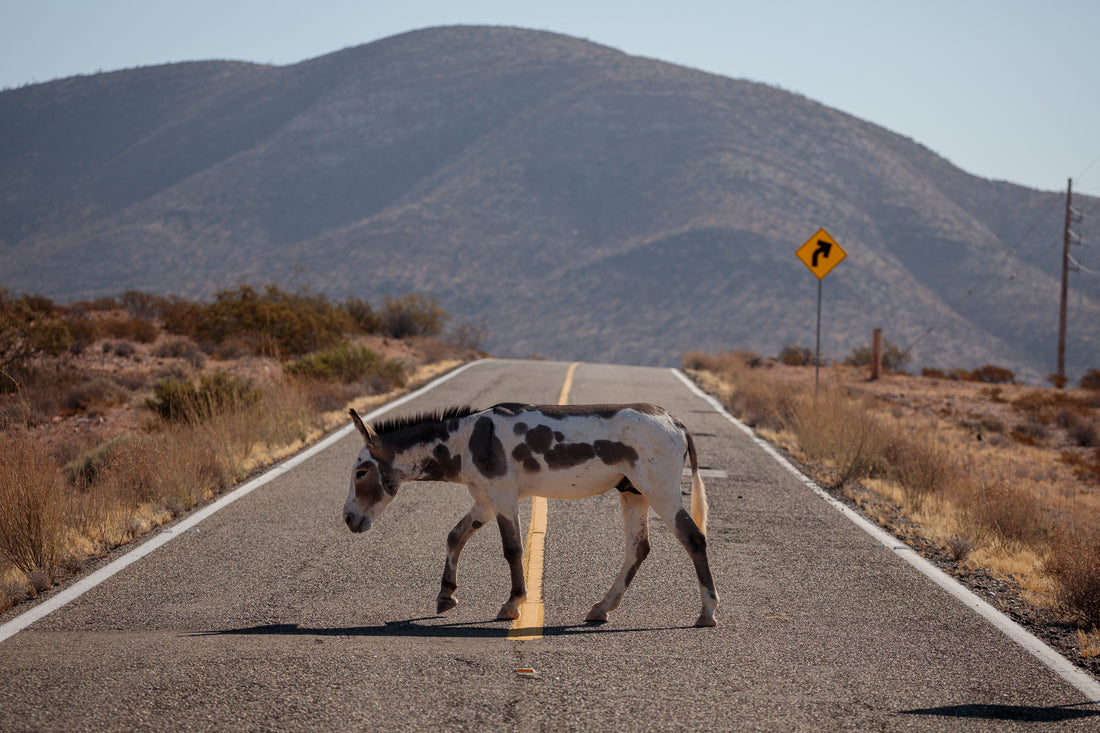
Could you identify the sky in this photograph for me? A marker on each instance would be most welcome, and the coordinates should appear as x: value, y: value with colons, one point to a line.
x: 1007, y: 90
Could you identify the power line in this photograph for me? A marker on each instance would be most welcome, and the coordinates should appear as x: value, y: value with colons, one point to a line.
x: 1087, y: 168
x: 1004, y: 255
x: 981, y: 281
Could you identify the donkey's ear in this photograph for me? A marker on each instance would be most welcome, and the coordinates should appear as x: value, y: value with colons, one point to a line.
x: 365, y: 430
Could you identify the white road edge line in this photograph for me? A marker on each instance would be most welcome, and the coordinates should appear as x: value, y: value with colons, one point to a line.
x: 1047, y: 655
x: 78, y: 589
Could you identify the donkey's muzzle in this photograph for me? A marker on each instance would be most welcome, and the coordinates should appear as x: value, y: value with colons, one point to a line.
x: 356, y: 522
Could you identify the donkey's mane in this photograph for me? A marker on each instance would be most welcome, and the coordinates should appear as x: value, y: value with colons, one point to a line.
x: 421, y: 419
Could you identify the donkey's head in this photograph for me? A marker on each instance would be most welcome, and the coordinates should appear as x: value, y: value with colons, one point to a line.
x: 373, y: 479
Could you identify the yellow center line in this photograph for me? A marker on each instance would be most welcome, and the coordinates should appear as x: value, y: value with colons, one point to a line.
x: 529, y: 624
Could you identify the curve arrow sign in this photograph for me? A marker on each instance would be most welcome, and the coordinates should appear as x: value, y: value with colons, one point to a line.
x: 821, y: 253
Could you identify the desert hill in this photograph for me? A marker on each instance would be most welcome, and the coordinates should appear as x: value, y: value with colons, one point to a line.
x: 584, y: 203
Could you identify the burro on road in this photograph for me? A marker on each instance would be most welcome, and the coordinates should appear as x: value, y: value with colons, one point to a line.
x: 514, y: 451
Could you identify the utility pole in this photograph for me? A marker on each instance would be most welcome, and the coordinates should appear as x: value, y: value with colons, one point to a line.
x: 1072, y: 216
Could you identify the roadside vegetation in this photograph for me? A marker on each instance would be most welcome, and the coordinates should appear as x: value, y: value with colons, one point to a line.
x: 992, y: 479
x: 118, y: 414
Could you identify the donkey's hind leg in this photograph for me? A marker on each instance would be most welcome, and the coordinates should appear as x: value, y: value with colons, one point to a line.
x: 474, y: 520
x: 670, y: 507
x: 636, y: 533
x: 695, y: 543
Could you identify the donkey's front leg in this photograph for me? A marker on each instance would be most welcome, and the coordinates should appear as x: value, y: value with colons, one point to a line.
x: 474, y: 520
x: 513, y: 553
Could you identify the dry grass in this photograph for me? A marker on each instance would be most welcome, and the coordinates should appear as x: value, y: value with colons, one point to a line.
x: 1075, y: 568
x: 838, y: 432
x: 32, y: 522
x: 1089, y: 642
x: 1000, y: 478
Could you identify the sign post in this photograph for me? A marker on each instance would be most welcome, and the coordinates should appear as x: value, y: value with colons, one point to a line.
x: 820, y: 254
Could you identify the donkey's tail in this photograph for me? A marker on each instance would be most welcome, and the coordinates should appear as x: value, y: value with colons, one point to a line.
x: 698, y: 490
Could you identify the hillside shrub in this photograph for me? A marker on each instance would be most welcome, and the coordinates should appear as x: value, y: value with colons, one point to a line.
x: 1058, y: 380
x: 1075, y: 567
x: 1081, y: 428
x: 468, y: 335
x: 124, y: 326
x: 119, y: 348
x: 348, y: 363
x: 82, y: 471
x: 918, y: 464
x: 792, y: 355
x: 273, y: 322
x: 39, y: 304
x: 181, y: 348
x: 699, y: 361
x: 48, y: 336
x: 93, y: 396
x: 1084, y: 467
x: 1090, y: 380
x: 180, y: 400
x: 182, y: 317
x: 366, y: 319
x: 1044, y: 405
x: 1030, y: 432
x: 992, y: 374
x: 102, y: 303
x: 894, y: 358
x: 143, y: 306
x: 729, y: 363
x: 841, y: 432
x: 82, y: 330
x: 34, y: 344
x: 1000, y: 510
x: 413, y: 315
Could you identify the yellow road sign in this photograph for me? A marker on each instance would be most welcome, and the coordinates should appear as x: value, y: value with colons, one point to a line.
x: 821, y: 253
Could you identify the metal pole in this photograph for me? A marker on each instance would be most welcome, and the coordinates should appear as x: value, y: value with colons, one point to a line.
x: 1061, y: 377
x: 817, y: 348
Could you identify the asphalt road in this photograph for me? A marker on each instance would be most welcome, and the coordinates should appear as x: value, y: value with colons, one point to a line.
x: 270, y: 615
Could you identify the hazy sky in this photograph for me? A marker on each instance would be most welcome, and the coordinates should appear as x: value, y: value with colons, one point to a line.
x: 1008, y: 90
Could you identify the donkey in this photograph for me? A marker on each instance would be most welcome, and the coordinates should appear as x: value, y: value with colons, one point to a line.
x: 512, y: 451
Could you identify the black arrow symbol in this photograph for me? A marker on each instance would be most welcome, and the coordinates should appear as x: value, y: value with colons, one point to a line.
x: 824, y: 247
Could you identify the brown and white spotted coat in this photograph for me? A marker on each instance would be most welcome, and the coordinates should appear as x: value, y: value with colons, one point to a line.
x: 512, y: 451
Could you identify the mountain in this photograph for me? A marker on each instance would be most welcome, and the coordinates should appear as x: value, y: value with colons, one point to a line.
x: 584, y: 203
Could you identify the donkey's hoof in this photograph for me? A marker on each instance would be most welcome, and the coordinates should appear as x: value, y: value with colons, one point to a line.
x: 704, y: 620
x: 442, y: 605
x: 508, y: 612
x: 596, y: 616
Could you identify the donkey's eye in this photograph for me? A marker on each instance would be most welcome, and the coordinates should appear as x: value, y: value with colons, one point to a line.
x: 360, y: 474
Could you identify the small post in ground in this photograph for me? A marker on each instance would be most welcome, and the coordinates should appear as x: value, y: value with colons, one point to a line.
x: 876, y: 354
